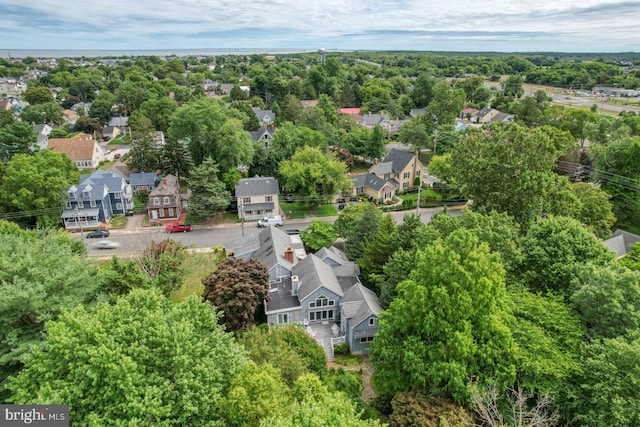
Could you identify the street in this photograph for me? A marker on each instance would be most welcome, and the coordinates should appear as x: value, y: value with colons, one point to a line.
x: 204, y: 236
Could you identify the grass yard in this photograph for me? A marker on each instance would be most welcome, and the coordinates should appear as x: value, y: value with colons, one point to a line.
x: 198, y: 266
x: 347, y: 360
x: 119, y: 141
x: 119, y: 221
x: 105, y: 165
x: 298, y: 210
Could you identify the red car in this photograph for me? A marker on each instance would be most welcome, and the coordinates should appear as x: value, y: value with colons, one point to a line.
x: 177, y: 228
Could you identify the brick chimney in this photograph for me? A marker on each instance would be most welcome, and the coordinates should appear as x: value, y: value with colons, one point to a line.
x: 164, y: 181
x: 375, y: 161
x: 288, y: 254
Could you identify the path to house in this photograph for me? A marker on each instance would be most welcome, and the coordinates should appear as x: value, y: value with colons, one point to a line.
x: 366, y: 370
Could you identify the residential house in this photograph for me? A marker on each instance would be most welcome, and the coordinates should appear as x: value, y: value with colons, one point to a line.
x: 95, y: 199
x: 265, y: 117
x: 400, y: 167
x: 165, y: 200
x: 43, y: 130
x: 110, y: 132
x: 121, y: 168
x: 371, y: 120
x: 491, y: 115
x: 373, y: 187
x: 81, y: 148
x: 417, y: 112
x: 69, y: 116
x: 120, y: 122
x: 257, y: 197
x: 308, y: 103
x: 264, y: 135
x: 142, y: 181
x: 321, y: 291
x: 622, y: 242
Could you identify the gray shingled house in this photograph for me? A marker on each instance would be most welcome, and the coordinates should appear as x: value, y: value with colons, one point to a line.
x: 257, y: 197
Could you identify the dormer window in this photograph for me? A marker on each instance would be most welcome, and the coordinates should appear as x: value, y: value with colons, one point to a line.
x: 72, y: 195
x: 86, y: 194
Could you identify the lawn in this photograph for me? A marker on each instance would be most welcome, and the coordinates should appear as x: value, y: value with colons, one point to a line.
x: 297, y: 210
x: 105, y: 165
x: 119, y: 141
x: 119, y: 221
x: 198, y: 266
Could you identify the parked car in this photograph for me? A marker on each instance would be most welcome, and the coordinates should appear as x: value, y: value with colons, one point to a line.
x: 288, y: 198
x: 178, y: 228
x: 98, y: 234
x: 106, y: 244
x: 270, y: 220
x: 292, y: 232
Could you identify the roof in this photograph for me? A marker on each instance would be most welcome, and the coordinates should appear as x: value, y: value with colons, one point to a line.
x: 168, y: 185
x: 97, y: 185
x: 79, y: 147
x: 374, y: 119
x: 257, y: 186
x: 395, y: 161
x: 142, y: 178
x: 260, y: 134
x: 370, y: 180
x: 309, y: 103
x: 622, y: 242
x: 282, y: 299
x: 360, y: 303
x: 121, y: 168
x: 119, y: 121
x: 349, y: 111
x: 313, y: 274
x: 272, y: 244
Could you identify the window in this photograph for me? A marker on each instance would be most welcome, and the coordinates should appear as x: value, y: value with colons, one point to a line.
x: 119, y: 206
x: 170, y: 211
x: 268, y: 198
x: 86, y: 194
x: 92, y: 203
x: 80, y: 204
x: 405, y: 185
x: 321, y: 301
x: 283, y: 318
x: 68, y: 205
x: 407, y: 175
x: 156, y: 201
x: 372, y: 321
x: 118, y: 196
x: 166, y: 200
x: 72, y: 195
x: 387, y: 195
x: 246, y: 200
x: 161, y: 213
x: 364, y: 340
x: 321, y: 315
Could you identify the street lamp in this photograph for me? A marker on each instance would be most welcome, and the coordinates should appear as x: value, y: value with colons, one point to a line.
x: 242, y: 218
x: 435, y: 130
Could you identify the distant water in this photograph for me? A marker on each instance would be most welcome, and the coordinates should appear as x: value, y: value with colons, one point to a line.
x: 48, y: 53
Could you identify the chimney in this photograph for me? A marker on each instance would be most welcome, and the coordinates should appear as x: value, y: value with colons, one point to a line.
x: 273, y: 126
x: 369, y: 112
x: 375, y: 161
x: 264, y: 125
x: 288, y: 254
x: 295, y: 284
x: 164, y: 181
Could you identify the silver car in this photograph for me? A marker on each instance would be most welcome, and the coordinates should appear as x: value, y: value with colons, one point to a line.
x: 106, y: 244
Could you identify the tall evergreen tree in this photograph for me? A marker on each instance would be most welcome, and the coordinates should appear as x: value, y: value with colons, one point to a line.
x: 208, y: 194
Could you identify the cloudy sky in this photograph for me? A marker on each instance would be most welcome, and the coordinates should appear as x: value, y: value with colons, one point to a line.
x: 460, y: 25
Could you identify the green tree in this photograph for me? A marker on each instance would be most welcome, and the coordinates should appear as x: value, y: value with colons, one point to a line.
x: 378, y: 249
x: 553, y: 249
x: 237, y: 287
x: 87, y: 125
x: 257, y: 392
x: 209, y: 195
x: 210, y: 129
x: 512, y: 87
x: 35, y: 184
x: 119, y: 277
x: 606, y: 388
x: 449, y: 322
x: 49, y: 112
x: 363, y: 230
x: 606, y: 298
x: 423, y: 90
x: 414, y: 133
x: 37, y: 94
x: 16, y: 138
x: 159, y: 111
x: 145, y: 152
x: 163, y: 264
x: 142, y: 361
x: 41, y: 275
x: 175, y: 158
x: 318, y: 235
x: 446, y: 103
x: 101, y: 108
x: 508, y: 169
x: 315, y: 175
x: 419, y: 408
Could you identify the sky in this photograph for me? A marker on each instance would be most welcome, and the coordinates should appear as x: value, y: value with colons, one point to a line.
x: 421, y: 25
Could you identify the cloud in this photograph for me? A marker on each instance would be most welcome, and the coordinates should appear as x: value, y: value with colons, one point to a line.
x: 542, y: 25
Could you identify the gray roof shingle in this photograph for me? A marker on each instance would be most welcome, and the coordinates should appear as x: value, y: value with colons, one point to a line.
x: 257, y: 186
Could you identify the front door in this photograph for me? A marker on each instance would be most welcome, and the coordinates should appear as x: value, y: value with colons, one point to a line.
x: 154, y: 214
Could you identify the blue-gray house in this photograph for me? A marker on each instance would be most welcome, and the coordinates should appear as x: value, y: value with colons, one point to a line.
x: 95, y: 199
x: 320, y: 290
x: 142, y: 181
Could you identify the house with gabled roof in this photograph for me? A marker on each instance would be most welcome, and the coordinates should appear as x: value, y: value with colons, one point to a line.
x: 622, y: 242
x: 81, y: 148
x: 95, y: 199
x: 265, y: 117
x: 371, y: 120
x: 311, y: 289
x: 257, y: 197
x: 142, y: 181
x: 373, y: 187
x: 165, y: 200
x: 401, y: 167
x: 263, y: 135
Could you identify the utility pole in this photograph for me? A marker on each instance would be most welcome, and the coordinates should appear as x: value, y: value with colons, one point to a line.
x: 242, y: 218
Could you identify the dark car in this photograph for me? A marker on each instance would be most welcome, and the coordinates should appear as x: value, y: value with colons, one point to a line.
x: 97, y: 234
x: 288, y: 198
x: 292, y: 232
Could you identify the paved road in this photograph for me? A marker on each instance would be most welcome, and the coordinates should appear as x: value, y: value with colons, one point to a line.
x: 135, y: 240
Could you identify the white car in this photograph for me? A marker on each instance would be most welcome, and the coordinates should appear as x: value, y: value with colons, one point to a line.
x: 106, y: 244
